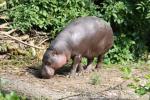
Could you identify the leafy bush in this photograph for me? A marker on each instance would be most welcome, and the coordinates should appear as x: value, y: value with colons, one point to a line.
x: 51, y: 15
x: 121, y: 51
x: 114, y: 10
x: 125, y: 16
x: 131, y: 18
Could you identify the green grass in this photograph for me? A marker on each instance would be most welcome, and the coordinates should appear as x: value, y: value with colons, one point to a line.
x: 95, y: 79
x: 11, y: 96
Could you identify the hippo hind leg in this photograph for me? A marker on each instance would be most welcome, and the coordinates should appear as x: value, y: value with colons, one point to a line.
x: 80, y: 68
x: 99, y: 62
x: 89, y: 67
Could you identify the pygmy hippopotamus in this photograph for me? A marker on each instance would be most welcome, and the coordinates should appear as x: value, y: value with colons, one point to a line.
x: 88, y: 37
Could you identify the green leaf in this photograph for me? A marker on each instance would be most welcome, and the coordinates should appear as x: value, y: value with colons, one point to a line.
x: 147, y: 76
x: 141, y: 91
x: 12, y: 96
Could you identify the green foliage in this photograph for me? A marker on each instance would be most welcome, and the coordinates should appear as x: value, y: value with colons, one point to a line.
x: 143, y: 7
x: 143, y: 88
x: 123, y: 14
x: 95, y: 79
x: 10, y: 96
x: 84, y: 61
x: 114, y: 10
x: 1, y: 96
x: 121, y: 51
x: 126, y: 70
x: 131, y: 18
x: 51, y: 15
x: 126, y: 16
x: 147, y: 76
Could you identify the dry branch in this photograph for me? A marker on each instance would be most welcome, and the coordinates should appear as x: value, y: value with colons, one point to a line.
x: 9, y: 32
x: 43, y: 41
x: 4, y: 17
x: 5, y: 25
x: 14, y: 38
x: 24, y: 37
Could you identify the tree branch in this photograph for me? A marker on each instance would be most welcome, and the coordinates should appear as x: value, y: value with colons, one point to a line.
x: 43, y: 41
x: 4, y: 17
x: 14, y: 38
x: 4, y: 25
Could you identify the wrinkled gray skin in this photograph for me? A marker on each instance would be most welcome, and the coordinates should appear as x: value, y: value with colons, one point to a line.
x: 84, y: 37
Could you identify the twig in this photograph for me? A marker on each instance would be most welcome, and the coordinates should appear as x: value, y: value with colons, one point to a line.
x: 63, y: 98
x: 43, y: 41
x: 4, y: 25
x: 9, y: 32
x: 4, y: 17
x: 40, y: 33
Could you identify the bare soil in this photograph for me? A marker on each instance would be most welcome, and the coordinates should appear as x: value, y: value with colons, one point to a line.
x: 26, y: 81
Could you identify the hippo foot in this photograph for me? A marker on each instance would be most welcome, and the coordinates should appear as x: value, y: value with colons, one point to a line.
x: 89, y: 69
x: 80, y: 73
x: 81, y: 69
x: 97, y: 69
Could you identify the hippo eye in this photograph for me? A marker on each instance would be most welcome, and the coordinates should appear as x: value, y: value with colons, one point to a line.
x: 48, y: 63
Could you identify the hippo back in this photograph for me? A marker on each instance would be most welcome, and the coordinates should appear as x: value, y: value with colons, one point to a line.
x: 89, y: 36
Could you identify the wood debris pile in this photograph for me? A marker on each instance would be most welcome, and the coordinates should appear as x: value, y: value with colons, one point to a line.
x: 14, y: 42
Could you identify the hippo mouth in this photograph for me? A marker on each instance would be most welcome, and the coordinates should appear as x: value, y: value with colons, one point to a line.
x: 47, y: 72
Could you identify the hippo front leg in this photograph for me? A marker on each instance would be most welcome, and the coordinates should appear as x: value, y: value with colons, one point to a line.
x: 76, y: 63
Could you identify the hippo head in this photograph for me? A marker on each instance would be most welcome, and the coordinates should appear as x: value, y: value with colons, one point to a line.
x: 51, y: 62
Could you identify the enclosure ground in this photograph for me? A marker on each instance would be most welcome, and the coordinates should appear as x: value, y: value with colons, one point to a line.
x: 25, y: 81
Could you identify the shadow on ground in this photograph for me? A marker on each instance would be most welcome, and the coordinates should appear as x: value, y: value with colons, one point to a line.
x: 36, y: 70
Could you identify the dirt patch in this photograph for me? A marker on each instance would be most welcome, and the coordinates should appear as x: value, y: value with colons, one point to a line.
x: 112, y: 85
